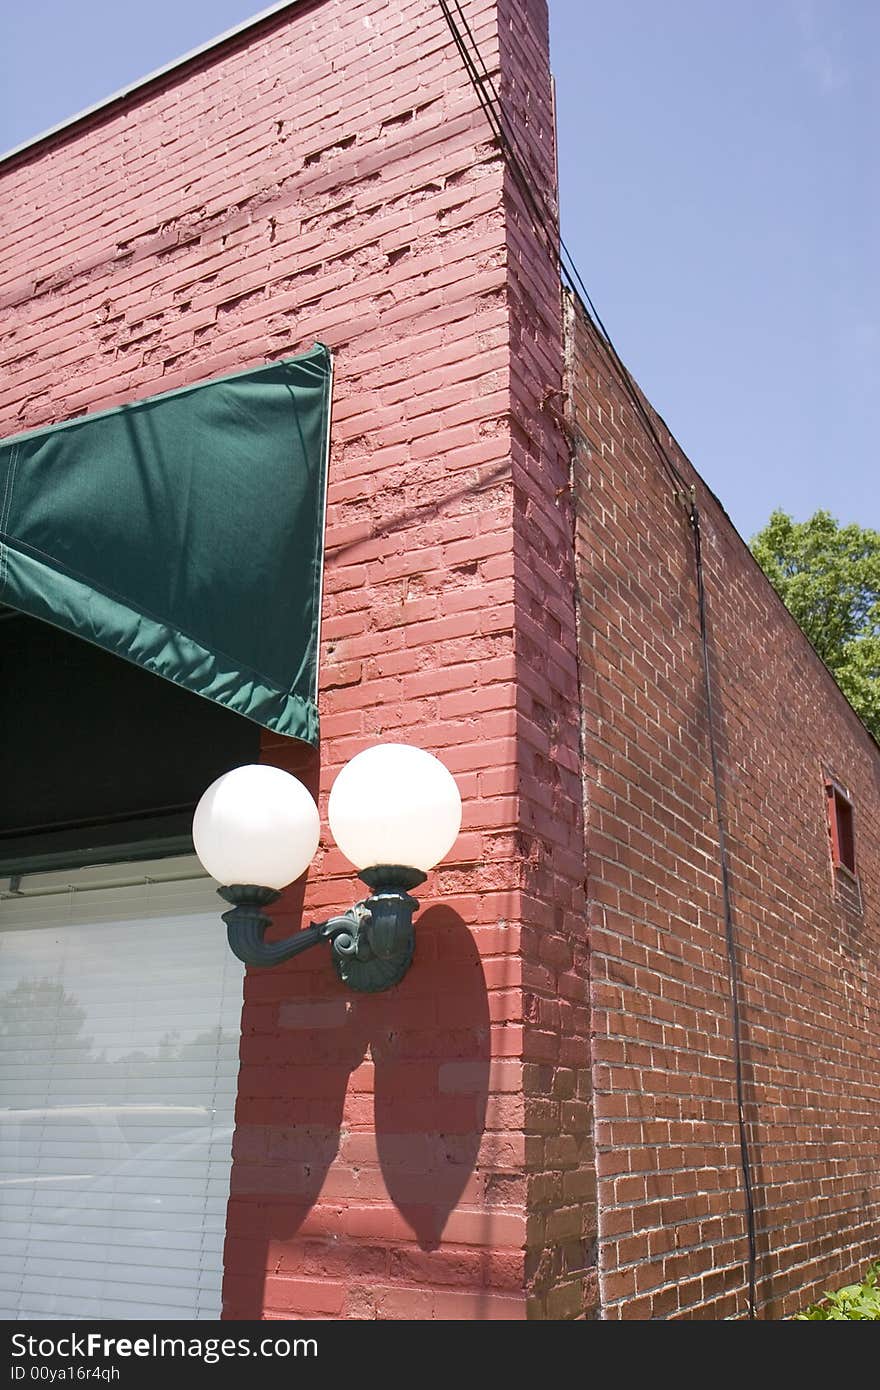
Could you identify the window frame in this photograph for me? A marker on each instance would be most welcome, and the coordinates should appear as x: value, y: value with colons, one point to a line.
x: 839, y: 810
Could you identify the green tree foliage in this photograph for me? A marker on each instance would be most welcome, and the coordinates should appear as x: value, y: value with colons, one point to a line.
x: 855, y: 1303
x: 828, y: 577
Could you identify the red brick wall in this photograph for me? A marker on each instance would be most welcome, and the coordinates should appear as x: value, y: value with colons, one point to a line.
x: 671, y: 1226
x: 329, y: 175
x: 561, y: 1255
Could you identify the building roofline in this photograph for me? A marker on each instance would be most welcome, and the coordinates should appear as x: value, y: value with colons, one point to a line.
x: 752, y: 560
x: 70, y: 122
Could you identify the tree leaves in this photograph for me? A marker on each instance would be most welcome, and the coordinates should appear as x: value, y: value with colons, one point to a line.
x: 828, y: 577
x: 853, y: 1303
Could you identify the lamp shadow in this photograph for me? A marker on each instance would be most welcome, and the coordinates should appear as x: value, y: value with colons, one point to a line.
x: 432, y: 1078
x: 353, y: 1100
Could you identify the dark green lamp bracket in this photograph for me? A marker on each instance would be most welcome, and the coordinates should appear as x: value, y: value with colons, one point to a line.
x: 371, y: 944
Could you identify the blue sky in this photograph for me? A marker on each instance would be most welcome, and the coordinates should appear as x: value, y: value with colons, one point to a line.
x: 720, y: 188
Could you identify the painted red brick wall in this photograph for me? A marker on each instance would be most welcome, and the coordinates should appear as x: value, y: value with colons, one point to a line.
x: 329, y: 175
x: 557, y: 1083
x: 429, y: 1153
x: 671, y: 1224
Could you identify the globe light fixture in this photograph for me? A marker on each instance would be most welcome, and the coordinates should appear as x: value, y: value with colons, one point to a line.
x: 395, y: 803
x: 256, y: 825
x: 395, y: 812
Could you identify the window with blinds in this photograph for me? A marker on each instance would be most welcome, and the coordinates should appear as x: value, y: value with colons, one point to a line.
x: 120, y: 1007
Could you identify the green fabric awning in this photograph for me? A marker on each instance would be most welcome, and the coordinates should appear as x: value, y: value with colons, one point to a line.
x: 185, y: 533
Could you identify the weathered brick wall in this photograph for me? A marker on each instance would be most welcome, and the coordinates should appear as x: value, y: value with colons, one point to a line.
x: 672, y: 1229
x: 561, y: 1258
x: 329, y: 175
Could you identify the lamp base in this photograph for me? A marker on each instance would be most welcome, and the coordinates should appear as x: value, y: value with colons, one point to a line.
x: 378, y: 953
x: 388, y: 878
x: 371, y: 944
x: 369, y: 974
x: 246, y: 926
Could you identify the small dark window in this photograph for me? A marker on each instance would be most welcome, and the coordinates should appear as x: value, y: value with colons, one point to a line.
x: 840, y: 828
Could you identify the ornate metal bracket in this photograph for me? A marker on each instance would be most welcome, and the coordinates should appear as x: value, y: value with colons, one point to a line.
x: 371, y: 944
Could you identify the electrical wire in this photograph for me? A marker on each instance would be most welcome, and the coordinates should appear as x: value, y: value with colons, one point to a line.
x: 543, y: 215
x: 546, y: 221
x: 730, y: 939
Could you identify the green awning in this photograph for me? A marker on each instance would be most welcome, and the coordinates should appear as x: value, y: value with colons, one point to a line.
x: 185, y: 533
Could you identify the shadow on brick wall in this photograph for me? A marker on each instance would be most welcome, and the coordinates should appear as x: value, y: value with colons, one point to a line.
x: 360, y: 1119
x: 432, y: 1081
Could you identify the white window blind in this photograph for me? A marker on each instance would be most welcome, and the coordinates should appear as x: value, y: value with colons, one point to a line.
x: 120, y: 1007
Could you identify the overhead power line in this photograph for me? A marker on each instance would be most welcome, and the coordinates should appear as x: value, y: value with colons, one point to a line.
x: 544, y: 216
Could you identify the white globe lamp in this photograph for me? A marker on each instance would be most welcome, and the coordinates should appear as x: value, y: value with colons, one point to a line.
x: 256, y: 825
x: 395, y: 811
x: 395, y: 804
